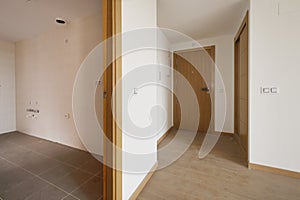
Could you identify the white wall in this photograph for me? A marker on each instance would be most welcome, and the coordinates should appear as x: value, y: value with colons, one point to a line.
x: 164, y: 92
x: 274, y: 61
x: 7, y: 87
x: 138, y: 14
x: 224, y: 57
x: 46, y: 67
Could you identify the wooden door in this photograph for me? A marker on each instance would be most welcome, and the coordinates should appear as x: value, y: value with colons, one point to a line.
x: 241, y: 84
x: 185, y: 63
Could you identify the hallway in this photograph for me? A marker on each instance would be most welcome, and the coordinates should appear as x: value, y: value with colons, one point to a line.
x: 221, y: 175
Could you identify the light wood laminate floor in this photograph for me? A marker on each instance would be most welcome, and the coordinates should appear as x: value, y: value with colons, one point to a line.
x: 221, y: 175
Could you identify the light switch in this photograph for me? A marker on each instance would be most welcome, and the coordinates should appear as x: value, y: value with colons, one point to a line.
x: 274, y: 90
x: 265, y: 90
x: 269, y: 90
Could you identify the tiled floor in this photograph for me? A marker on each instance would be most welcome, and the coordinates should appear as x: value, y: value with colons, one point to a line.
x: 36, y: 169
x: 221, y: 175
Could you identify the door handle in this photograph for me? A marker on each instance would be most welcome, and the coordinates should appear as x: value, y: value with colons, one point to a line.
x: 104, y: 95
x: 205, y: 89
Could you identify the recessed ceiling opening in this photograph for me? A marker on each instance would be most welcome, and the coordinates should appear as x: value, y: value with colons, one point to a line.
x: 60, y: 21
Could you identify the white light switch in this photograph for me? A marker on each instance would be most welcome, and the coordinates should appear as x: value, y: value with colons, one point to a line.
x: 269, y: 90
x: 274, y: 90
x: 265, y: 90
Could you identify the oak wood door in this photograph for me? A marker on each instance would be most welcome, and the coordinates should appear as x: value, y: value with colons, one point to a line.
x: 241, y: 84
x: 197, y: 68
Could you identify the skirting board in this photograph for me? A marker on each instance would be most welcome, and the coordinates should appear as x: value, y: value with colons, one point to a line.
x: 228, y: 134
x: 144, y: 182
x: 274, y: 170
x: 163, y: 136
x: 166, y: 134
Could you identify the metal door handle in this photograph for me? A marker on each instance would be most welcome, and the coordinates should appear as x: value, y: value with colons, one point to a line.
x: 205, y: 89
x: 104, y: 95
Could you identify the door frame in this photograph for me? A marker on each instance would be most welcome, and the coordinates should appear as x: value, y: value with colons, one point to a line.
x: 245, y: 24
x: 112, y: 104
x: 212, y: 49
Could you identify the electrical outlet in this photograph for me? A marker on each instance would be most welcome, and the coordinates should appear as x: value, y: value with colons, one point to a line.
x: 67, y: 116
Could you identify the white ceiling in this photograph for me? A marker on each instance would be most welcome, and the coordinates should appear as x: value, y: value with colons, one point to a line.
x: 23, y: 19
x: 201, y: 18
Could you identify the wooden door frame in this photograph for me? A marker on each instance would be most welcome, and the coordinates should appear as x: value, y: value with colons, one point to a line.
x: 211, y: 48
x: 112, y: 25
x: 245, y: 24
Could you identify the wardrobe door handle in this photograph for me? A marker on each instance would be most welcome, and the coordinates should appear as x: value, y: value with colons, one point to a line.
x: 205, y: 89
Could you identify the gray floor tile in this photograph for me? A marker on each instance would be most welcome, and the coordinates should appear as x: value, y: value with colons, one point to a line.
x: 4, y: 138
x: 21, y: 139
x: 24, y: 189
x: 5, y: 135
x: 93, y: 166
x: 11, y: 176
x: 48, y: 193
x: 49, y: 149
x: 70, y: 198
x: 92, y: 190
x: 30, y: 161
x: 7, y: 149
x: 77, y: 158
x: 57, y: 173
x: 65, y: 167
x: 72, y: 181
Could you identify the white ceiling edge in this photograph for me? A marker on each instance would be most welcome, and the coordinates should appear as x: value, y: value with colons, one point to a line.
x: 217, y: 18
x: 21, y: 20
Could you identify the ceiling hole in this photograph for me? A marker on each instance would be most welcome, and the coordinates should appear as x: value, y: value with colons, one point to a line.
x: 60, y: 21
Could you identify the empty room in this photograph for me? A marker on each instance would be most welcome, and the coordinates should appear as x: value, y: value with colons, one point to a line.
x: 43, y: 44
x: 149, y: 99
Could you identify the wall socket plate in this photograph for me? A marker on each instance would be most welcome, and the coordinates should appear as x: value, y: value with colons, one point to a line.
x: 67, y: 116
